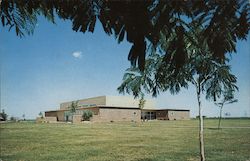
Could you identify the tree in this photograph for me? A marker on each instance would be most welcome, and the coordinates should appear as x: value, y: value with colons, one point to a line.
x: 3, y: 115
x: 73, y: 106
x: 141, y: 22
x: 206, y: 75
x: 149, y: 23
x: 23, y: 117
x: 228, y: 98
x: 142, y: 102
x: 141, y: 105
x: 40, y: 114
x: 200, y: 69
x: 212, y: 82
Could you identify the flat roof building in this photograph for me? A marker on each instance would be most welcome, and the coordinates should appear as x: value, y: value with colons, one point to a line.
x: 111, y: 101
x: 116, y: 108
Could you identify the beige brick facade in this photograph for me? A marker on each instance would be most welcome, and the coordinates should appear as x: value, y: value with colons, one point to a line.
x: 50, y: 119
x: 178, y: 115
x: 128, y: 102
x: 113, y: 101
x: 114, y: 108
x: 97, y: 101
x: 115, y: 114
x: 77, y: 118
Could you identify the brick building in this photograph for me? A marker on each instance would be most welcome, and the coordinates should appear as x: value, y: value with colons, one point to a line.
x: 116, y: 108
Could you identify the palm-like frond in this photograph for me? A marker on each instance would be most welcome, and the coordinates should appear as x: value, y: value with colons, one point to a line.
x: 136, y: 81
x: 22, y: 15
x: 142, y: 23
x: 220, y: 80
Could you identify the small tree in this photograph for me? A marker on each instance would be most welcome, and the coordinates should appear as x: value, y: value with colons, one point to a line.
x: 209, y: 76
x: 40, y: 114
x: 73, y: 106
x: 87, y: 114
x: 141, y: 105
x: 227, y: 114
x: 23, y: 117
x: 12, y: 118
x: 3, y: 115
x: 228, y: 98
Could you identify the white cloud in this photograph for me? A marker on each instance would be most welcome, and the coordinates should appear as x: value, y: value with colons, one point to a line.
x: 77, y: 54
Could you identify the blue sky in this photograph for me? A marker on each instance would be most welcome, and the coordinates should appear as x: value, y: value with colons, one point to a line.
x: 56, y: 64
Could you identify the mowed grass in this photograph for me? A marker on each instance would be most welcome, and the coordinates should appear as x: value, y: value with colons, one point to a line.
x: 149, y: 141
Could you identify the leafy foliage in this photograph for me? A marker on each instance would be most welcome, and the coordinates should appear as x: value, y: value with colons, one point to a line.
x: 142, y: 102
x: 138, y: 82
x: 87, y: 114
x: 40, y: 114
x: 201, y: 69
x: 22, y: 15
x: 142, y: 23
x: 3, y: 115
x: 73, y: 106
x: 228, y: 98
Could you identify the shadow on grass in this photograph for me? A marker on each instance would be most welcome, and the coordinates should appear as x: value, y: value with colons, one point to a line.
x: 214, y: 128
x: 145, y: 159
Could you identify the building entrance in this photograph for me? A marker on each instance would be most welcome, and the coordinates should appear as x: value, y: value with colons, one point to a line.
x: 149, y: 115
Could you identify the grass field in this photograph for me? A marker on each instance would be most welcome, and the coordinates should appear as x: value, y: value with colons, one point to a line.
x: 150, y: 141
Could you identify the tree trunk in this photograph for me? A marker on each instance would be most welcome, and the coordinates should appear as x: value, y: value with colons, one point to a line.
x: 220, y: 117
x: 201, y: 139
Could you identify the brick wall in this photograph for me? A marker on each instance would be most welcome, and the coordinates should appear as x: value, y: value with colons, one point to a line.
x: 58, y: 114
x: 112, y: 114
x: 50, y: 119
x: 77, y: 119
x: 178, y: 115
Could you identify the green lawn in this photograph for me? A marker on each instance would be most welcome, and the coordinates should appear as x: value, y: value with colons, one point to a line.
x: 150, y: 141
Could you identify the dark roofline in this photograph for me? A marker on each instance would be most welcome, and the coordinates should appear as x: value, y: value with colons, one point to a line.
x: 117, y: 107
x: 57, y: 110
x: 164, y: 109
x: 113, y: 107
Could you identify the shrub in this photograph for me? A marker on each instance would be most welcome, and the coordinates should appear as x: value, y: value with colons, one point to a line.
x: 87, y: 114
